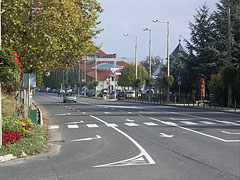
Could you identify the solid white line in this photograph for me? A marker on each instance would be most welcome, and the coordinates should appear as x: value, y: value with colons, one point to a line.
x: 143, y: 152
x: 207, y: 122
x: 188, y: 122
x: 226, y: 132
x: 72, y: 126
x: 150, y: 124
x: 178, y: 119
x: 131, y: 124
x: 92, y: 125
x: 187, y: 129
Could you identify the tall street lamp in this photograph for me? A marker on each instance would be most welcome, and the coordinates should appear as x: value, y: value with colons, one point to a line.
x: 135, y: 53
x: 168, y: 64
x: 150, y: 44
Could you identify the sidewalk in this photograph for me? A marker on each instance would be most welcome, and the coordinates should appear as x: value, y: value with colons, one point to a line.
x: 196, y: 106
x: 206, y: 107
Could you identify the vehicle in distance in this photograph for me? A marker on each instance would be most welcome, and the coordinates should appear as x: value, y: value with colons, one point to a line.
x: 69, y: 97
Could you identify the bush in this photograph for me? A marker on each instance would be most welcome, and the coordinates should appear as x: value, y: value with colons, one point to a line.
x: 21, y: 136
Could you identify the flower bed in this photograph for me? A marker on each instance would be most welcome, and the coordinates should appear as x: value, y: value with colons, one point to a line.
x: 21, y: 136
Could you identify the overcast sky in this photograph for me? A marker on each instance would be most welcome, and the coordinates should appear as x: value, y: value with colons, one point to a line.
x: 131, y: 16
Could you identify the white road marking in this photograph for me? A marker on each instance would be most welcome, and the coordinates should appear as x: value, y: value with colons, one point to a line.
x: 188, y: 122
x: 92, y: 125
x: 227, y: 122
x: 68, y: 113
x: 132, y: 161
x: 107, y: 112
x: 112, y: 125
x: 166, y: 135
x: 53, y: 127
x: 125, y: 107
x: 207, y: 135
x: 72, y: 126
x: 207, y: 122
x: 226, y: 132
x: 131, y: 124
x: 79, y: 122
x: 130, y: 120
x: 150, y: 124
x: 178, y: 119
x: 83, y: 112
x: 61, y: 114
x: 87, y: 139
x: 140, y: 115
x: 129, y: 112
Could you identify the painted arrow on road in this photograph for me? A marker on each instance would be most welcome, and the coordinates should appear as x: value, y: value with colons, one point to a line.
x: 166, y: 135
x: 87, y: 139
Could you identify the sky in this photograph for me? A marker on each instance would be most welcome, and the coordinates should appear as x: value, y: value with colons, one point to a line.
x: 132, y: 16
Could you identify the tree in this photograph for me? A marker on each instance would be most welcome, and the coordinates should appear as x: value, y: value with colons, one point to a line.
x: 127, y: 78
x: 60, y: 32
x: 203, y: 56
x: 221, y: 28
x: 156, y: 62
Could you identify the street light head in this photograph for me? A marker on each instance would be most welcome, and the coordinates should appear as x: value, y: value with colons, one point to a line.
x: 146, y: 29
x: 155, y: 20
x: 126, y: 34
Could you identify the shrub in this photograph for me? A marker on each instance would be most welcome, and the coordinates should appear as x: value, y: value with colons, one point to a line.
x: 22, y: 136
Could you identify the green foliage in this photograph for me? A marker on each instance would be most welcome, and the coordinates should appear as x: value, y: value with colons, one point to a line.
x: 168, y: 80
x: 61, y: 31
x: 10, y: 67
x: 127, y: 78
x: 33, y: 140
x: 218, y: 85
x: 228, y: 74
x: 95, y: 83
x: 17, y: 124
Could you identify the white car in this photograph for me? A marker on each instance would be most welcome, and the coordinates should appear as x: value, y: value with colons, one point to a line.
x: 69, y: 97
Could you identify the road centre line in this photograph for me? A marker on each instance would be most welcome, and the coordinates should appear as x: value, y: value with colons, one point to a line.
x: 187, y: 129
x: 143, y: 152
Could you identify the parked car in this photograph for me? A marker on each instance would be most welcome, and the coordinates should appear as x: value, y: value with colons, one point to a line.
x: 69, y: 97
x: 121, y: 95
x: 130, y: 94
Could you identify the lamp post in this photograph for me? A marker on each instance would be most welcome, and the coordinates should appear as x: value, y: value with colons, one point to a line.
x: 135, y: 53
x: 150, y: 45
x: 168, y: 63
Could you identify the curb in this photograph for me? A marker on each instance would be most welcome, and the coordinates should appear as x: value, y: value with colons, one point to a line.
x: 40, y: 114
x: 7, y: 157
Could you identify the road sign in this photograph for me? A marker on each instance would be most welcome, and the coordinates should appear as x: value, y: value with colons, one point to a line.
x: 179, y: 80
x: 118, y: 74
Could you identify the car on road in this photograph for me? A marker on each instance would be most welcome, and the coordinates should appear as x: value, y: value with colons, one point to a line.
x: 69, y: 97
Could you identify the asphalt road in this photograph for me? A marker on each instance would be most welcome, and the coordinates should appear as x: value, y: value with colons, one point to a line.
x: 111, y: 140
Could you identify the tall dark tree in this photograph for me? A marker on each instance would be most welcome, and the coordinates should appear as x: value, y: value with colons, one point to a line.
x: 221, y: 27
x: 204, y: 57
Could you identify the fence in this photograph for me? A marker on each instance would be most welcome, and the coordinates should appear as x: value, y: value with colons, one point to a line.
x: 188, y: 101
